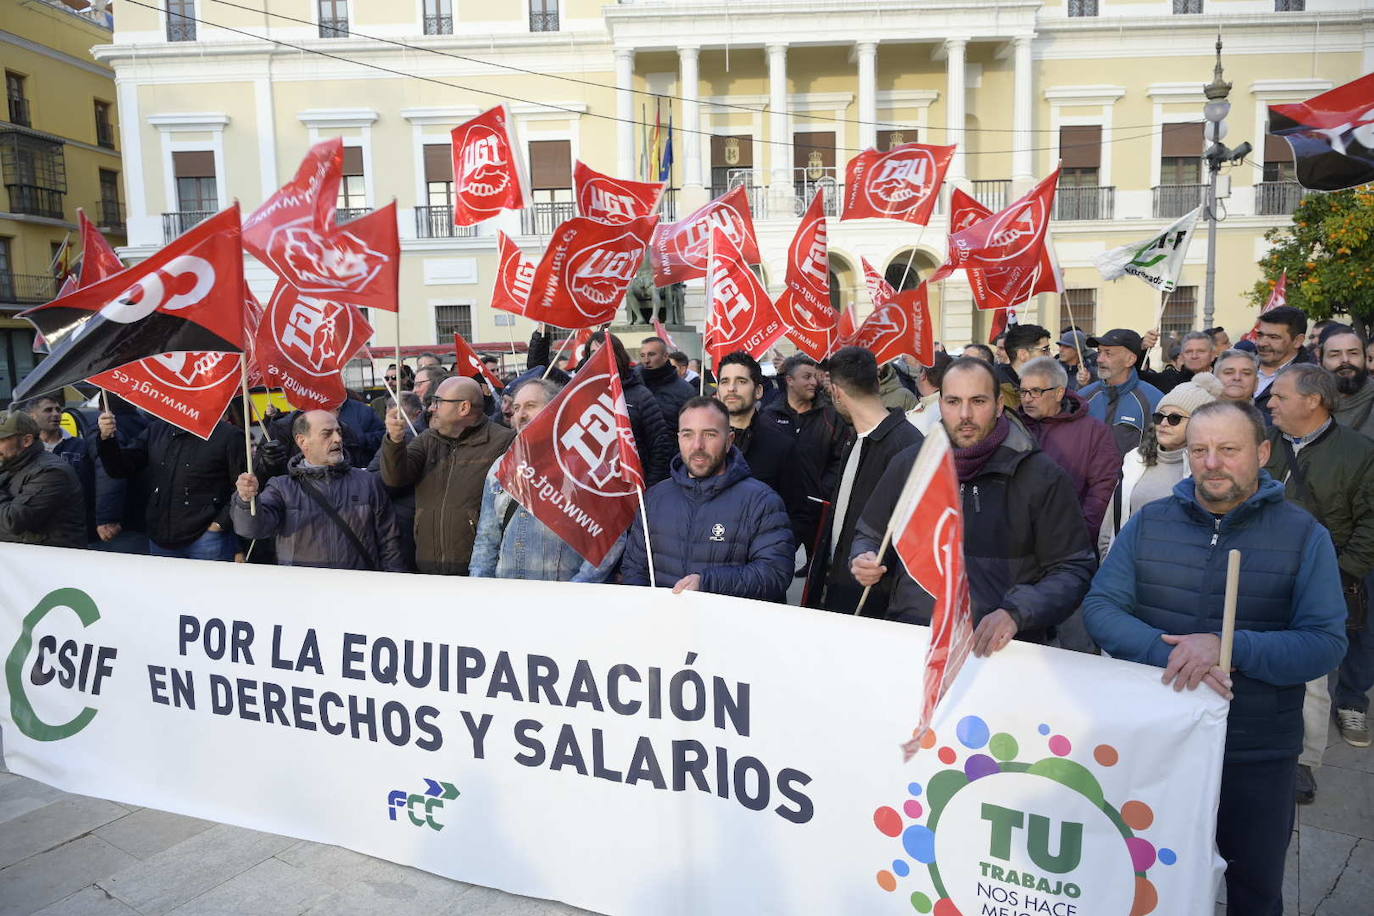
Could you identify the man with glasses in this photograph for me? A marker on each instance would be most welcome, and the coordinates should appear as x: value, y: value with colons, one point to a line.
x: 1022, y: 343
x: 381, y: 402
x: 447, y: 465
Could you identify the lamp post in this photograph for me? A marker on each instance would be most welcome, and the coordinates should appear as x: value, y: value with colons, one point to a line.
x: 1215, y: 112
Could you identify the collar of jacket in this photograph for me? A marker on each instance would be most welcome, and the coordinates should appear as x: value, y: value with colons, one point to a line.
x: 1124, y: 388
x: 24, y: 458
x: 477, y: 432
x: 663, y: 375
x: 895, y: 418
x: 1073, y: 408
x: 736, y: 469
x: 1269, y: 491
x: 296, y: 468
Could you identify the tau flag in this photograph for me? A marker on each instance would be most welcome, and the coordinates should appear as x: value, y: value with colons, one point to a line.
x: 310, y: 197
x: 1158, y: 260
x: 470, y: 364
x: 575, y: 467
x: 997, y: 287
x: 1332, y: 135
x: 358, y: 262
x: 613, y: 200
x: 740, y: 314
x: 804, y: 305
x: 514, y: 277
x: 679, y: 249
x: 488, y: 172
x: 303, y: 343
x: 188, y: 296
x: 902, y: 183
x: 582, y: 278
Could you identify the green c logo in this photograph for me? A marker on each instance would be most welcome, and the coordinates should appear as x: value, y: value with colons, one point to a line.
x: 20, y: 708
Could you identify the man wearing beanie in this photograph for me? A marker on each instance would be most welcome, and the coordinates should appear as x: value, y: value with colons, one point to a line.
x: 1120, y: 398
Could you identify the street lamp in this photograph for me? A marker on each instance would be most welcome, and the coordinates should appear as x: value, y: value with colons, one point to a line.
x: 1215, y: 112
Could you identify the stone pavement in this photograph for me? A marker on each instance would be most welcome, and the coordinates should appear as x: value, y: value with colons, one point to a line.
x: 72, y: 855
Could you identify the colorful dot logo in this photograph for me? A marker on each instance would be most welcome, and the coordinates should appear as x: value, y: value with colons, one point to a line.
x: 1019, y: 823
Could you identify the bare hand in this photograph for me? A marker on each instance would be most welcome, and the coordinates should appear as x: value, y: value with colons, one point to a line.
x: 240, y: 557
x: 107, y: 424
x: 690, y: 583
x: 993, y: 633
x: 215, y: 528
x: 866, y: 569
x: 1084, y: 376
x: 1195, y: 659
x: 247, y: 486
x: 395, y: 426
x: 1150, y: 338
x: 109, y: 532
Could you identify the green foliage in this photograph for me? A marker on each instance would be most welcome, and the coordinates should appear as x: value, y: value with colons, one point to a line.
x: 1328, y: 251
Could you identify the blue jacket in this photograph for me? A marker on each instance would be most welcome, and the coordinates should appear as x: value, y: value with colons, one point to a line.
x: 1166, y: 573
x: 526, y: 548
x: 1135, y: 400
x: 731, y: 529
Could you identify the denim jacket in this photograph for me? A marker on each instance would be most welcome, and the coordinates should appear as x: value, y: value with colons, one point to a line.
x: 527, y: 549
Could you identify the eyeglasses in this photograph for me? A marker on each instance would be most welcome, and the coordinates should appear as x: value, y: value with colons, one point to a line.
x: 1044, y: 350
x: 1173, y: 419
x: 439, y: 400
x: 1024, y: 393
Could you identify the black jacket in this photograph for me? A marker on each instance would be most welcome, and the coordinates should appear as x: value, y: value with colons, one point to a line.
x: 820, y: 436
x: 191, y: 479
x: 831, y: 585
x: 1025, y: 546
x: 669, y: 389
x: 1166, y: 379
x: 766, y: 445
x: 40, y: 500
x: 655, y: 442
x: 1262, y: 401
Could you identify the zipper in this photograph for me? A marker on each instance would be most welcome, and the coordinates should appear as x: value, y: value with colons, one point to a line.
x: 977, y: 503
x: 1216, y: 531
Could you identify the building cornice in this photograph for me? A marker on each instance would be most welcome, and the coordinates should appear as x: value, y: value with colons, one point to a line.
x: 190, y: 121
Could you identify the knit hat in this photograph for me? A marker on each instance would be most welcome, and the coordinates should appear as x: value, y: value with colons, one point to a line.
x: 1203, y: 389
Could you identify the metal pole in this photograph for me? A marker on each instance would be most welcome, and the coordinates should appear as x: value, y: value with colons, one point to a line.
x: 1209, y: 302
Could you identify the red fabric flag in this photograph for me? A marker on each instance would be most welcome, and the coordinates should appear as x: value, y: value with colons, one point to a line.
x: 188, y: 390
x: 928, y: 535
x: 581, y: 341
x: 470, y: 364
x: 679, y: 249
x: 186, y: 297
x: 575, y: 466
x: 847, y: 328
x: 582, y: 278
x: 662, y: 332
x: 1010, y: 239
x: 902, y: 183
x: 999, y: 324
x: 1277, y: 296
x: 98, y: 259
x: 899, y: 327
x: 359, y: 262
x: 879, y: 290
x: 488, y: 173
x: 303, y: 344
x: 310, y: 196
x: 613, y: 200
x: 1000, y: 288
x: 514, y: 277
x: 804, y: 305
x: 1332, y: 135
x: 740, y: 315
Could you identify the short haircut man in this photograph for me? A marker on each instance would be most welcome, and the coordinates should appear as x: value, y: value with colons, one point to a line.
x: 1025, y: 342
x: 855, y: 370
x: 979, y: 351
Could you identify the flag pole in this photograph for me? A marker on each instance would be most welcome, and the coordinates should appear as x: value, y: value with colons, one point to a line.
x: 398, y: 364
x: 553, y: 359
x: 706, y: 331
x: 916, y: 467
x: 1159, y: 327
x: 816, y: 545
x: 247, y: 425
x: 1228, y: 619
x: 1077, y: 345
x: 510, y: 333
x: 648, y: 550
x: 396, y: 396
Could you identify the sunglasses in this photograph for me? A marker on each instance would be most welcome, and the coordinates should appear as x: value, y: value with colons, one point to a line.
x: 1173, y: 419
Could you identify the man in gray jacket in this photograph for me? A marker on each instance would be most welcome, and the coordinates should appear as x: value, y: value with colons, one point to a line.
x: 323, y: 511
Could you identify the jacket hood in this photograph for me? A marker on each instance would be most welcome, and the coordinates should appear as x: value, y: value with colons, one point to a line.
x: 1270, y: 491
x: 736, y: 469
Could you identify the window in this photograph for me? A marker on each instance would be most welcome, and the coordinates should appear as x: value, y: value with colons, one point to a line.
x: 1082, y: 8
x: 333, y: 18
x: 543, y: 15
x: 352, y: 201
x: 18, y: 104
x: 104, y: 130
x: 1278, y: 192
x: 195, y: 182
x: 1180, y: 312
x: 438, y: 17
x: 111, y: 210
x: 1289, y: 6
x: 439, y: 175
x: 732, y: 162
x: 1187, y: 6
x: 450, y: 320
x: 1078, y: 307
x: 1180, y: 170
x: 1081, y: 195
x: 551, y: 182
x: 35, y: 173
x: 181, y: 22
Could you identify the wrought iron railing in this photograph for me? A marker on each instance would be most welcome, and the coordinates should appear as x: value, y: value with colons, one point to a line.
x: 334, y: 27
x: 27, y: 289
x: 993, y: 193
x: 437, y: 223
x: 177, y: 222
x: 104, y: 134
x: 542, y: 217
x: 1084, y: 203
x: 109, y: 214
x: 179, y: 27
x: 349, y: 214
x: 1174, y: 200
x: 1277, y: 198
x: 438, y: 25
x: 544, y: 21
x: 35, y: 201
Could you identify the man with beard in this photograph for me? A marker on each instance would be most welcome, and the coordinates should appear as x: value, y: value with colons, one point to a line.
x: 712, y: 527
x: 1158, y: 600
x: 322, y: 512
x: 1342, y: 351
x: 1279, y: 336
x: 40, y: 495
x: 1121, y: 398
x: 765, y: 444
x: 1239, y: 374
x: 660, y: 376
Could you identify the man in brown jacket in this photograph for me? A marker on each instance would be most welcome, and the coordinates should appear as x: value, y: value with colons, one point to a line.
x: 447, y: 465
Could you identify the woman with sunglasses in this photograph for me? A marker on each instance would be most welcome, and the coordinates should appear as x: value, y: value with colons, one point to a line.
x: 1150, y: 471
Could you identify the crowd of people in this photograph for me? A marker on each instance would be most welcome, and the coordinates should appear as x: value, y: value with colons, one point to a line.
x: 1102, y: 487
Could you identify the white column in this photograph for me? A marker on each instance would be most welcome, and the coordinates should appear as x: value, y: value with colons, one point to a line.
x: 867, y: 54
x: 780, y: 191
x: 625, y: 111
x: 1023, y: 118
x: 687, y: 57
x: 954, y: 105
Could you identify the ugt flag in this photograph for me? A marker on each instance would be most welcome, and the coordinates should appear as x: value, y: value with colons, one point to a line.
x: 1332, y: 135
x: 514, y: 277
x: 488, y: 173
x: 804, y: 305
x: 1158, y: 260
x: 582, y: 278
x: 303, y: 343
x: 359, y: 262
x: 679, y: 249
x: 470, y: 364
x: 309, y: 198
x: 613, y: 200
x: 740, y: 315
x: 575, y: 467
x: 1013, y: 238
x: 902, y: 183
x: 186, y: 297
x: 1002, y: 287
x: 899, y: 326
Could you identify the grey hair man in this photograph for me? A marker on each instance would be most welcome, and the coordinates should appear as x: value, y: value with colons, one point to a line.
x: 1239, y: 374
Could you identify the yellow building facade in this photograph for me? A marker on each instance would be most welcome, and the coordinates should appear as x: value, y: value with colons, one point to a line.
x: 59, y: 151
x: 219, y: 101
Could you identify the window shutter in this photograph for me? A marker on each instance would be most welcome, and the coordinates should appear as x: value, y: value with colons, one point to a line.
x: 1080, y: 147
x: 193, y: 164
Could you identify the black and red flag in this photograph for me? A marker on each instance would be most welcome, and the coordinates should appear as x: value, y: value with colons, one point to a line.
x: 1332, y: 135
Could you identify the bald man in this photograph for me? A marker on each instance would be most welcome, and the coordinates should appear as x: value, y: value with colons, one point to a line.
x: 322, y: 511
x: 447, y: 465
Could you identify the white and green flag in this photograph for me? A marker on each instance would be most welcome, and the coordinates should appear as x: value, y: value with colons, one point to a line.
x: 1158, y: 260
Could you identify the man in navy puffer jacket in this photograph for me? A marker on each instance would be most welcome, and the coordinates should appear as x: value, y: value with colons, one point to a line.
x: 1158, y: 600
x: 713, y: 527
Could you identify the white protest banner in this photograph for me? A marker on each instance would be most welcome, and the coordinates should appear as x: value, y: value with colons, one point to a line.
x: 622, y: 750
x: 1158, y: 260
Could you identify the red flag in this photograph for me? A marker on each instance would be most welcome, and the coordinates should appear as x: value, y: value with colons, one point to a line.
x: 575, y: 466
x: 581, y: 343
x: 928, y: 535
x: 303, y: 344
x: 1277, y: 297
x: 999, y: 324
x: 585, y: 271
x: 679, y: 249
x: 514, y: 277
x: 613, y: 200
x: 189, y: 390
x: 740, y: 315
x: 999, y: 288
x: 310, y: 196
x: 899, y: 327
x: 902, y: 183
x: 1010, y: 239
x: 470, y: 364
x: 662, y: 333
x: 358, y: 262
x: 804, y: 305
x: 1331, y: 135
x: 488, y: 173
x: 98, y: 259
x: 187, y: 296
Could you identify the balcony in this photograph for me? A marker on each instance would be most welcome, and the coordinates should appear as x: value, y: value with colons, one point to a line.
x: 994, y: 193
x: 1173, y: 200
x: 174, y: 224
x: 335, y: 27
x: 1084, y: 203
x: 179, y: 28
x: 667, y: 210
x: 35, y: 201
x: 19, y: 112
x: 543, y: 217
x: 438, y: 25
x: 544, y: 21
x: 1277, y: 198
x: 756, y: 192
x: 349, y: 214
x: 437, y: 223
x: 27, y: 289
x: 109, y: 214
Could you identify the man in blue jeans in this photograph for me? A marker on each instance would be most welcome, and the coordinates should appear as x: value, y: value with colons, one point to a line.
x: 1158, y: 599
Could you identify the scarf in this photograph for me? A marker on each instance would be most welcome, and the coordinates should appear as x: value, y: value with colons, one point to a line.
x: 969, y: 462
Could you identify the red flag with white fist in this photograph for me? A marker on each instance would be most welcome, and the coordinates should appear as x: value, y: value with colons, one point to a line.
x: 488, y: 172
x: 1012, y: 239
x: 309, y: 198
x: 740, y: 314
x: 902, y: 183
x: 587, y: 268
x: 358, y: 262
x: 804, y: 305
x: 680, y: 249
x: 997, y: 287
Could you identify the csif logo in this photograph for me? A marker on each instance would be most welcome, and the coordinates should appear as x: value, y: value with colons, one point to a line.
x: 421, y: 809
x: 82, y: 667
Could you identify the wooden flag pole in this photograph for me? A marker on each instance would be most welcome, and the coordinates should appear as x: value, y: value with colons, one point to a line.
x: 1159, y: 329
x: 648, y: 549
x: 553, y: 359
x: 1077, y: 344
x: 1228, y: 620
x: 882, y: 549
x: 247, y: 425
x: 104, y: 401
x: 399, y: 364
